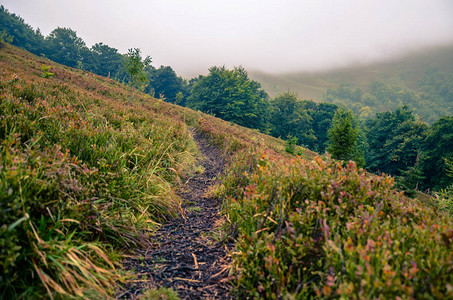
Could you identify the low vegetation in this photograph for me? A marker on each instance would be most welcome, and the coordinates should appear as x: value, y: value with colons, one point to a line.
x: 87, y: 170
x: 320, y: 229
x: 84, y: 172
x: 398, y: 108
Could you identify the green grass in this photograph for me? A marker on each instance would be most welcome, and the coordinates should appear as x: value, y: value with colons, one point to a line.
x: 160, y: 294
x: 194, y: 209
x: 85, y: 172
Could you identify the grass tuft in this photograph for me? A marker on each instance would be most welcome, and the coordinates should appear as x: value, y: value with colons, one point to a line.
x: 84, y: 173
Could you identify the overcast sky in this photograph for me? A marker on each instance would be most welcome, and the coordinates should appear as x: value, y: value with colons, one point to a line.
x: 266, y: 35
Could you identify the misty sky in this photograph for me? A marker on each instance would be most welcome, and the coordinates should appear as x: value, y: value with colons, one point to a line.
x: 271, y: 36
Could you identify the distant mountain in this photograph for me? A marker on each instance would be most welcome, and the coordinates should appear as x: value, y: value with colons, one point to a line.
x: 405, y: 71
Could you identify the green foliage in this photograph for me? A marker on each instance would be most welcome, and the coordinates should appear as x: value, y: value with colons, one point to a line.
x: 65, y: 47
x: 135, y: 66
x: 231, y: 96
x: 46, y: 73
x: 179, y: 99
x: 321, y: 229
x: 82, y: 174
x: 436, y: 92
x: 395, y: 140
x: 5, y: 38
x: 445, y: 197
x: 438, y: 146
x: 343, y: 136
x: 290, y: 118
x: 106, y: 61
x: 444, y: 200
x: 321, y: 114
x: 290, y: 144
x: 40, y: 240
x: 164, y: 82
x: 23, y: 35
x: 160, y: 294
x: 411, y: 178
x: 379, y: 97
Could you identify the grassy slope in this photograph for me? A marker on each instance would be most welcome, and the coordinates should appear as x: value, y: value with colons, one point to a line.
x: 303, y: 227
x: 404, y: 71
x: 86, y: 169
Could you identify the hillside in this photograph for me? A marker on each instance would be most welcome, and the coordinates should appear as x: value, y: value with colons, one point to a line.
x: 86, y: 162
x: 405, y: 71
x: 91, y: 172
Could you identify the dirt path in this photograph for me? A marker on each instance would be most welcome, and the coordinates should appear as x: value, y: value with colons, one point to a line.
x: 184, y: 256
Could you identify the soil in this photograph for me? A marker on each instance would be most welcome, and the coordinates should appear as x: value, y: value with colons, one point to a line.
x: 185, y: 255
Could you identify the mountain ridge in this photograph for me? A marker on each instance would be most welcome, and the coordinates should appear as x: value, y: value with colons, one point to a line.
x: 402, y: 70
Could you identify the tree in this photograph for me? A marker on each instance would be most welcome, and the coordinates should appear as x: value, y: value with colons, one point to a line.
x: 290, y: 118
x: 445, y: 197
x: 438, y: 148
x: 432, y: 99
x: 5, y: 38
x: 232, y: 96
x: 395, y: 140
x: 322, y: 115
x: 134, y: 68
x: 343, y: 136
x: 166, y: 83
x: 65, y: 47
x: 108, y: 61
x: 23, y: 35
x: 411, y: 178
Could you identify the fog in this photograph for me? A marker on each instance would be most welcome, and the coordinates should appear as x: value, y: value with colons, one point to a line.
x: 270, y: 36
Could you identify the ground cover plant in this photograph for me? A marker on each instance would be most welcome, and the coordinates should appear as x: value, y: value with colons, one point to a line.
x: 321, y: 229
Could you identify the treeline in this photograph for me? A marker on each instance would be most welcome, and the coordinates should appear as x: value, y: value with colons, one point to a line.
x: 380, y: 132
x: 398, y: 143
x: 63, y: 46
x: 432, y: 99
x: 395, y: 142
x: 233, y: 96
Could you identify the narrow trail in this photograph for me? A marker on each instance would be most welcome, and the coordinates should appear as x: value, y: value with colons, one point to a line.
x: 183, y: 255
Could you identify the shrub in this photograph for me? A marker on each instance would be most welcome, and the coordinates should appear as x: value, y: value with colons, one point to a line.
x: 46, y: 73
x: 326, y: 230
x: 290, y: 144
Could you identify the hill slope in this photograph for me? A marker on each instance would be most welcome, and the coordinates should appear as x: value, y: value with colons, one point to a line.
x: 405, y: 71
x: 87, y: 170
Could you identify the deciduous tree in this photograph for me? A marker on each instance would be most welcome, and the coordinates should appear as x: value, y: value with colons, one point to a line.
x: 290, y: 118
x: 232, y: 96
x: 65, y: 47
x: 135, y: 66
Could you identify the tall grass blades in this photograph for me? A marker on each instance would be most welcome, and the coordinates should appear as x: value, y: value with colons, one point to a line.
x: 84, y: 172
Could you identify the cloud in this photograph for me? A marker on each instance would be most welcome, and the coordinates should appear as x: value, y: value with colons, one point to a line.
x: 272, y: 36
